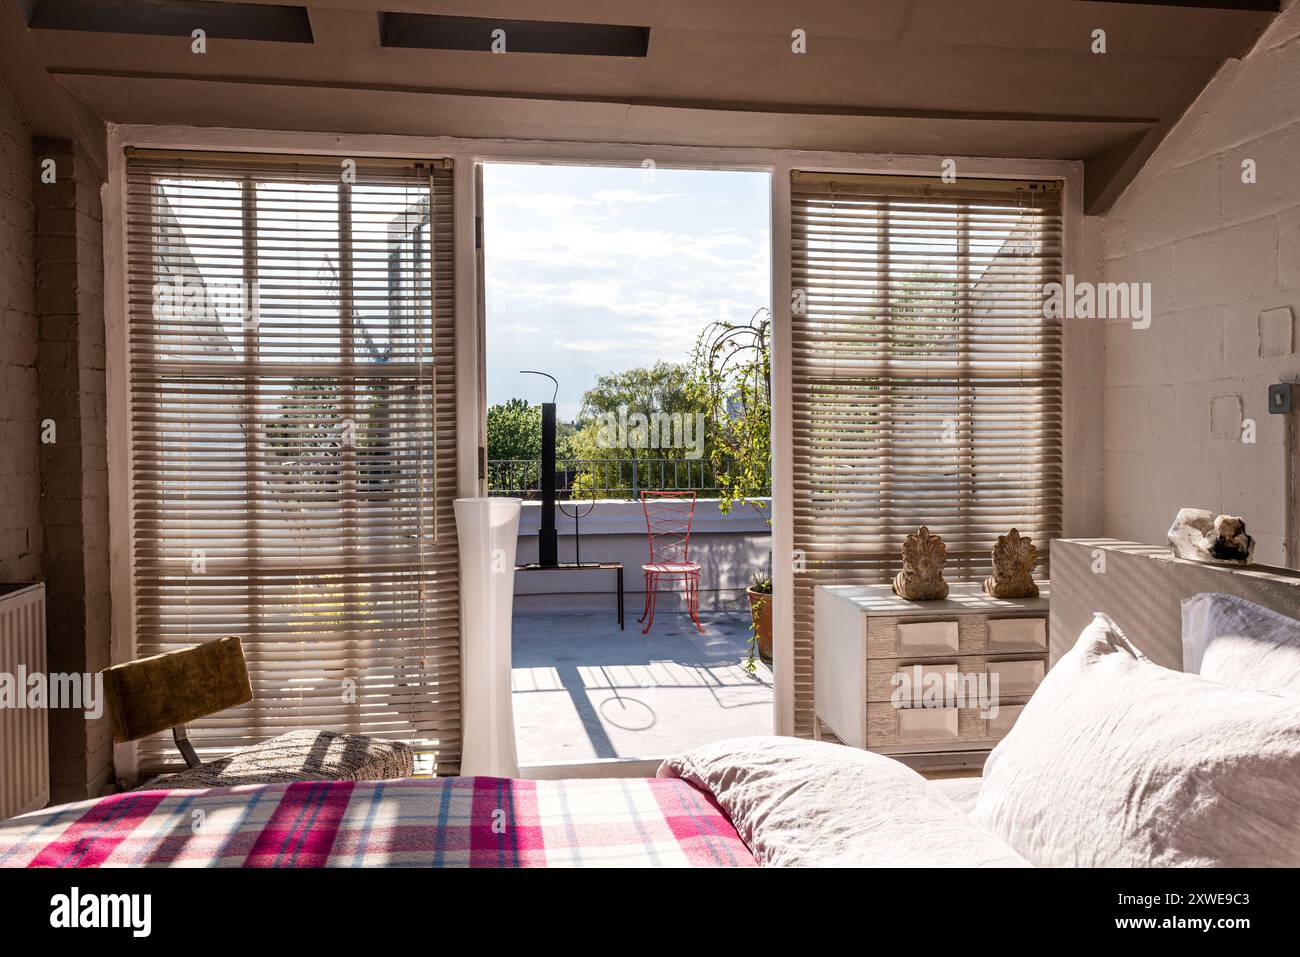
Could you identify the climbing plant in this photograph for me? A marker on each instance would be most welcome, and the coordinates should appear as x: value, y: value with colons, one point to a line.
x: 732, y: 381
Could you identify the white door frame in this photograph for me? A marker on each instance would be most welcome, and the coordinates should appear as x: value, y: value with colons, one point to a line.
x: 1082, y: 350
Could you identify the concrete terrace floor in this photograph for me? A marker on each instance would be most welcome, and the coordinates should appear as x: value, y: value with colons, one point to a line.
x: 584, y: 691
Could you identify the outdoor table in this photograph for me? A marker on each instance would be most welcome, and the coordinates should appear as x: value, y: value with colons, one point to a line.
x: 617, y: 567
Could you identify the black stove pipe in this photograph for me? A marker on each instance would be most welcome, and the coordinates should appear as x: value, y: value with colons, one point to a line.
x: 548, y: 553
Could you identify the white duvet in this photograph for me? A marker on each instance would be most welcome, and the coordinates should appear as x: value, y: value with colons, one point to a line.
x: 803, y: 803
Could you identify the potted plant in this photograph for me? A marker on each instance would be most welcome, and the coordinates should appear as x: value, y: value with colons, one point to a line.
x: 760, y: 609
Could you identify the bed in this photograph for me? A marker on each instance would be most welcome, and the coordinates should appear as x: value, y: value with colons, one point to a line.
x: 1115, y: 761
x: 438, y: 822
x: 743, y: 802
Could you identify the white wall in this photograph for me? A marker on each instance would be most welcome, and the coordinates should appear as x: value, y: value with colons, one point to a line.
x: 1222, y: 256
x: 730, y: 549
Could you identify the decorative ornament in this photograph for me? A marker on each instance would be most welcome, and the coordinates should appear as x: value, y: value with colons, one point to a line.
x: 922, y: 576
x: 1014, y: 557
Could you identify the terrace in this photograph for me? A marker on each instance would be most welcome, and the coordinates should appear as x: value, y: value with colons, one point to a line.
x: 589, y: 693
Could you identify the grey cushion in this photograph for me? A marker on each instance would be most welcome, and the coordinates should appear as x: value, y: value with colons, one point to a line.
x: 300, y: 756
x: 1236, y: 642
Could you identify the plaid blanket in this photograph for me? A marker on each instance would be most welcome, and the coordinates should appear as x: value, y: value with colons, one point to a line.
x: 435, y: 822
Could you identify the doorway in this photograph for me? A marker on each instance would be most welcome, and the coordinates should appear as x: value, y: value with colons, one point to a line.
x: 644, y: 292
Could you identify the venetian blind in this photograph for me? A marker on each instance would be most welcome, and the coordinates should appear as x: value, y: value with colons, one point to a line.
x: 926, y: 380
x: 293, y: 438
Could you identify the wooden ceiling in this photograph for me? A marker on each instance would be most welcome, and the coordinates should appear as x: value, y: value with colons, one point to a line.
x: 946, y: 77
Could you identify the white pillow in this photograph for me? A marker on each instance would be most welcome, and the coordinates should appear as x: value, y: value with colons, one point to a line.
x: 1236, y: 642
x: 814, y: 804
x: 1118, y: 762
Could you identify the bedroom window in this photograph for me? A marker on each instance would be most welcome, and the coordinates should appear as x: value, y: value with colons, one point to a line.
x: 926, y: 380
x: 292, y: 440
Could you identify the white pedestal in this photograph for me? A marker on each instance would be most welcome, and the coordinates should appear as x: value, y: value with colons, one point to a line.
x: 487, y: 530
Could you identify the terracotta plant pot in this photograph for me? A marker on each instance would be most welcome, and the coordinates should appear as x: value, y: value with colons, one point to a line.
x: 760, y: 606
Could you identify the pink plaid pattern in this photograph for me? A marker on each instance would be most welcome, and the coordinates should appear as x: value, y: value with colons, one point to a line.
x: 438, y: 822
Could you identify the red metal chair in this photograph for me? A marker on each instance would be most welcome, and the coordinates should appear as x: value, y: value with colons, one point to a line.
x: 668, y: 517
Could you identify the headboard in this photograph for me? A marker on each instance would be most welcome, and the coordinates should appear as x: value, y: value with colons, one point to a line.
x: 1142, y: 588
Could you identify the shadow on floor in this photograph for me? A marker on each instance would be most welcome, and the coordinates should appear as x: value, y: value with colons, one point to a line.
x: 583, y: 690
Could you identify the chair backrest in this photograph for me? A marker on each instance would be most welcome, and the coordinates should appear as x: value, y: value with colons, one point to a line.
x: 159, y: 693
x: 668, y: 517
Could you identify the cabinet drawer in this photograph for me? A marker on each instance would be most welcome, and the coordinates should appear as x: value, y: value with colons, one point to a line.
x: 906, y: 638
x: 1016, y: 679
x: 926, y: 725
x: 915, y: 679
x: 1016, y: 634
x: 900, y: 729
x: 928, y: 638
x: 1001, y: 723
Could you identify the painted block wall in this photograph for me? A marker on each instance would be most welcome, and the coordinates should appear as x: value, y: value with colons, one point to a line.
x: 74, y: 468
x: 20, y: 523
x: 730, y: 549
x: 54, y: 496
x: 1223, y: 258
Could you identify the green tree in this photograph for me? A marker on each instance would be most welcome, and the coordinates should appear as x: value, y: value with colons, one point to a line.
x: 663, y: 387
x: 514, y: 432
x: 643, y: 413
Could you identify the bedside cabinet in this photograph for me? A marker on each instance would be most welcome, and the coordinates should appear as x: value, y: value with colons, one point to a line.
x: 865, y: 635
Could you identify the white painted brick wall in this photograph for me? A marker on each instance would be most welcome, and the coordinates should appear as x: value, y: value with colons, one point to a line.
x: 1219, y: 253
x: 20, y: 535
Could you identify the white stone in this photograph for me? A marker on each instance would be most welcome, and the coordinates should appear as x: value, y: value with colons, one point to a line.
x: 1201, y: 536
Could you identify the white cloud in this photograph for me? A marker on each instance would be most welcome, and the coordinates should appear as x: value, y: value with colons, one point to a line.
x: 586, y: 275
x: 615, y: 196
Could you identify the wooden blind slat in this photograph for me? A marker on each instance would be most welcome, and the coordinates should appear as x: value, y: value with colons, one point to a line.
x: 926, y: 382
x: 293, y: 438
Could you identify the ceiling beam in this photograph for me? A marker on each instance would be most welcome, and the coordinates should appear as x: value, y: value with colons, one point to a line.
x: 67, y: 75
x: 346, y: 109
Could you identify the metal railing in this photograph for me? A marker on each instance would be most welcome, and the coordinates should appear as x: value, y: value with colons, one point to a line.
x: 605, y: 478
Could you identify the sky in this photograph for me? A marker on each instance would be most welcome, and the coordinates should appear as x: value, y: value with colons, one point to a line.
x: 594, y: 270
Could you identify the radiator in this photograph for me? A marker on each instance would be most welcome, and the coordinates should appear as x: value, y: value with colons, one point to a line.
x: 24, y: 732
